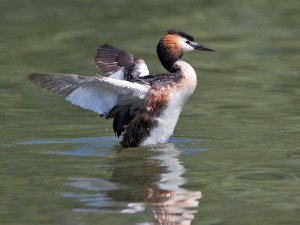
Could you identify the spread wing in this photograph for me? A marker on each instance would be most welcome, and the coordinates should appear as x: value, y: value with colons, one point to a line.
x: 98, y: 94
x: 119, y: 64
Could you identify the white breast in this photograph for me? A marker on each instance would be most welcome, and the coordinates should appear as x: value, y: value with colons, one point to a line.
x: 168, y: 118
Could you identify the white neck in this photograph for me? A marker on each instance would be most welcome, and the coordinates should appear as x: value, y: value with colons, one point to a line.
x: 169, y: 117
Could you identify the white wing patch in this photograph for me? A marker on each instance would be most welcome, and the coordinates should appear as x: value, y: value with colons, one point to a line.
x: 142, y: 68
x: 119, y: 75
x: 94, y: 99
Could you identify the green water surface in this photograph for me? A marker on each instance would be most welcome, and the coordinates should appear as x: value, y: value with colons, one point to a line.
x: 235, y: 155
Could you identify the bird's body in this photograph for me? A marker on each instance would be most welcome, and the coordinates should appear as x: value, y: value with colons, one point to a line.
x: 145, y: 108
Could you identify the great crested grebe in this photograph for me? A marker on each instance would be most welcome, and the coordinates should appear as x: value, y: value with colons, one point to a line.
x: 145, y: 108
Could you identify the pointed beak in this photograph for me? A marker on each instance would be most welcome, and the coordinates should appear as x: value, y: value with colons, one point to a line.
x: 202, y: 48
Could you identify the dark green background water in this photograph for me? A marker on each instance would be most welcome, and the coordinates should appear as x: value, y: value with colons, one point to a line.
x: 237, y: 143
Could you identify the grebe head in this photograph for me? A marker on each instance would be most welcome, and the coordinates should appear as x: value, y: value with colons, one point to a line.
x: 173, y: 44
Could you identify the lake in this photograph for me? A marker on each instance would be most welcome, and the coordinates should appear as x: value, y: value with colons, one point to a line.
x: 234, y: 157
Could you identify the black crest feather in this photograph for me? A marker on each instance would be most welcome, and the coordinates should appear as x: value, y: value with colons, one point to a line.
x: 182, y: 34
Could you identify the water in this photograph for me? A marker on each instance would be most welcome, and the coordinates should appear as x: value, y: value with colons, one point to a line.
x: 234, y: 157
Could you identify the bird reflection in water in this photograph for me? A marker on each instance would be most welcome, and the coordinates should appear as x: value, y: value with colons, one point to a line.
x: 160, y: 171
x: 145, y: 180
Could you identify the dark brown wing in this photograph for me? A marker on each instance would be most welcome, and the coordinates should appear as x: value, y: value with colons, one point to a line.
x: 110, y: 59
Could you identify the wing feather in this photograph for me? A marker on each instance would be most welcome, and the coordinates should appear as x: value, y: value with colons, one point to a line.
x: 119, y: 64
x: 110, y: 59
x: 98, y: 94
